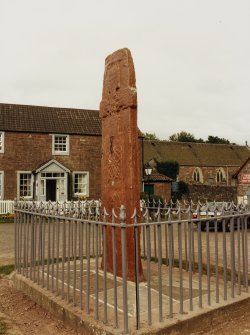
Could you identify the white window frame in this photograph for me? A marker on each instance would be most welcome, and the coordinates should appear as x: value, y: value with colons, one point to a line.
x: 18, y: 184
x: 2, y: 185
x: 2, y: 134
x: 59, y: 152
x: 77, y: 194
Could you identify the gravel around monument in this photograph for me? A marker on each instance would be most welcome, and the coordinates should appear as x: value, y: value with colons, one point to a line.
x: 22, y: 316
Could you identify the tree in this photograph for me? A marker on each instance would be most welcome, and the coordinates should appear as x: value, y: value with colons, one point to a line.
x: 150, y: 136
x: 217, y: 140
x: 183, y: 136
x: 168, y: 168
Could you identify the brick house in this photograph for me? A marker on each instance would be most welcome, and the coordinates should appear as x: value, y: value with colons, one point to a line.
x: 242, y: 177
x: 203, y: 166
x: 49, y: 153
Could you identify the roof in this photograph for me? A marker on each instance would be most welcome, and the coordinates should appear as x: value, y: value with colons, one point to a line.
x: 49, y: 162
x: 235, y: 175
x: 195, y: 154
x: 158, y: 177
x: 38, y: 119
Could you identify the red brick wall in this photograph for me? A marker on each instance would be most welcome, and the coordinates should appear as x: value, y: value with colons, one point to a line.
x: 26, y: 151
x: 243, y: 187
x: 163, y: 190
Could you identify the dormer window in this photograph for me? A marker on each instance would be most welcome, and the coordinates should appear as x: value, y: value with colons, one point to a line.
x: 1, y: 142
x: 197, y: 175
x: 220, y: 175
x: 60, y: 145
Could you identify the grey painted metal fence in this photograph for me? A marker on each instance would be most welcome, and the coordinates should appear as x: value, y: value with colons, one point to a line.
x: 192, y: 255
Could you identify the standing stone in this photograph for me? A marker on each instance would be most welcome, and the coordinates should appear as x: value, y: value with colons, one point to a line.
x: 120, y: 153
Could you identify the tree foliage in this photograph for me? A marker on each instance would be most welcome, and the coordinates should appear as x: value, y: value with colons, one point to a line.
x: 150, y: 136
x: 217, y: 140
x: 184, y: 136
x: 168, y: 168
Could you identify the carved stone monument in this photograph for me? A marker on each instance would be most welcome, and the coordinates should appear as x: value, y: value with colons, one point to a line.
x: 120, y: 154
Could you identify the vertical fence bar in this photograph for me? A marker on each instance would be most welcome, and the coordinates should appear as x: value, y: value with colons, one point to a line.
x: 216, y: 260
x: 81, y: 261
x: 166, y: 243
x: 31, y: 247
x: 246, y: 252
x: 57, y: 254
x: 48, y: 253
x: 63, y: 257
x: 74, y: 223
x: 238, y: 256
x: 114, y: 269
x: 232, y: 249
x: 35, y: 248
x: 43, y: 249
x: 208, y: 265
x: 180, y: 265
x: 137, y: 291
x: 28, y: 244
x: 88, y: 268
x: 20, y: 245
x: 159, y: 267
x: 186, y: 244
x: 96, y: 274
x: 105, y: 318
x: 53, y: 256
x: 200, y: 263
x: 68, y: 260
x: 170, y: 267
x: 39, y: 253
x: 124, y: 268
x: 24, y: 244
x: 148, y: 243
x: 16, y: 217
x: 190, y: 265
x: 224, y: 258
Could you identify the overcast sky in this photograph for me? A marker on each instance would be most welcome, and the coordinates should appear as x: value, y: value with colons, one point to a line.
x: 192, y: 59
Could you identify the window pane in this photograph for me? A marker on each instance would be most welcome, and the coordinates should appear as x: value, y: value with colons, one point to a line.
x: 25, y: 185
x: 80, y: 183
x: 42, y: 187
x: 60, y: 143
x: 1, y: 185
x: 1, y: 141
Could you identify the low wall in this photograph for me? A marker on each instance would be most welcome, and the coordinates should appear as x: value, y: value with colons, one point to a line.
x: 210, y: 193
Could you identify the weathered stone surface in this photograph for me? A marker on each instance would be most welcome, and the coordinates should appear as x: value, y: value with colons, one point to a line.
x: 120, y: 183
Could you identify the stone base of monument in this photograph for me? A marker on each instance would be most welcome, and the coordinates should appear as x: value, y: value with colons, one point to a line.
x: 189, y: 322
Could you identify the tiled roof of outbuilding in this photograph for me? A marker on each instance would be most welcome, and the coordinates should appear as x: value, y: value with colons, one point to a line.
x: 195, y: 154
x: 157, y: 176
x: 38, y: 119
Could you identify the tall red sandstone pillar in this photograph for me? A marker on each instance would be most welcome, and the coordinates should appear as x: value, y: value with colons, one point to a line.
x: 120, y: 154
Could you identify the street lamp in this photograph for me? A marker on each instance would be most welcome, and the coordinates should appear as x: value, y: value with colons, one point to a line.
x: 148, y: 170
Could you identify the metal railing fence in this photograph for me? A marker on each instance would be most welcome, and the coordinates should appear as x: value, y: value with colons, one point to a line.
x: 188, y: 261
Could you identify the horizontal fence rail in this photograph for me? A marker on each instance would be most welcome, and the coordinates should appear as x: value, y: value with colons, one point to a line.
x: 192, y: 255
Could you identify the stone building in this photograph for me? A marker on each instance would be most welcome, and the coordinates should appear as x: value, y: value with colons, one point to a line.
x: 203, y: 166
x: 49, y: 153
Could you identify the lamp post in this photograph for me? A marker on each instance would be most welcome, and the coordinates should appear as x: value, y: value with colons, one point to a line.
x: 148, y: 171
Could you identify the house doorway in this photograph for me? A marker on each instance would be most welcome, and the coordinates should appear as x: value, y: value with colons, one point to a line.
x: 149, y: 189
x: 51, y: 189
